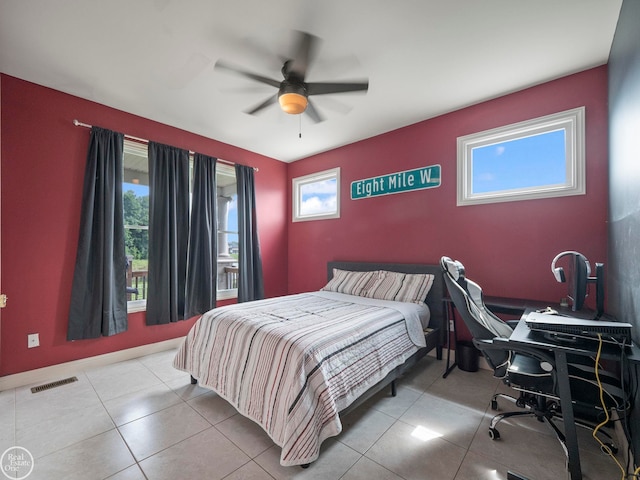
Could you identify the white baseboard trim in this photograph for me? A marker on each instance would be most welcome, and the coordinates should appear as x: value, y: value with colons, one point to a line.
x: 61, y: 370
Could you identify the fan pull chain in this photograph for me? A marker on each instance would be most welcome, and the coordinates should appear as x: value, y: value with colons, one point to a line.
x: 300, y: 126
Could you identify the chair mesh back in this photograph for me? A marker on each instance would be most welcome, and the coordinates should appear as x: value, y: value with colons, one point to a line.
x: 482, y: 324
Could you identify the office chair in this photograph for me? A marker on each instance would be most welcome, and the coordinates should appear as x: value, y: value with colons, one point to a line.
x: 529, y: 371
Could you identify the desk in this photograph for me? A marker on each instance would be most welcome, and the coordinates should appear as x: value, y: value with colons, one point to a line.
x: 522, y: 335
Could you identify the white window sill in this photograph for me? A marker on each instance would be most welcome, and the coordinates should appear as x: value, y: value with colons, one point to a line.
x: 227, y: 294
x: 135, y: 306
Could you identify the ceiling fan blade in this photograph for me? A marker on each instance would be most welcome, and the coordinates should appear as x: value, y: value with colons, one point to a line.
x: 313, y: 113
x: 322, y: 88
x: 261, y: 106
x: 220, y: 65
x: 259, y: 49
x: 305, y: 50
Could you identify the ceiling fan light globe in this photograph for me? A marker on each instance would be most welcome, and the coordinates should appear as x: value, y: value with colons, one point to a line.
x: 292, y: 103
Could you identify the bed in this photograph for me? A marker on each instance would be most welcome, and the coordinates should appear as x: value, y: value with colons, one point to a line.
x: 294, y: 364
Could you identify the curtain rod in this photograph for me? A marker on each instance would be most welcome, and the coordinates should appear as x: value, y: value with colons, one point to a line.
x: 78, y: 123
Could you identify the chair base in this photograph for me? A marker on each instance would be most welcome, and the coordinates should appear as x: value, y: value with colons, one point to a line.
x: 544, y: 411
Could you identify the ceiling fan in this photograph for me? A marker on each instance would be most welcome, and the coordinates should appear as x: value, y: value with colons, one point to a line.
x: 293, y: 92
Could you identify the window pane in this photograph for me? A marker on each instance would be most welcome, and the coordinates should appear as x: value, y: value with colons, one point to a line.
x: 227, y: 279
x: 526, y: 162
x: 232, y: 227
x: 319, y: 197
x: 135, y: 191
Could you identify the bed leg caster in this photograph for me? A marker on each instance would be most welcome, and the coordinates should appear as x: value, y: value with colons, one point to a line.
x: 193, y: 380
x: 394, y: 391
x: 305, y: 465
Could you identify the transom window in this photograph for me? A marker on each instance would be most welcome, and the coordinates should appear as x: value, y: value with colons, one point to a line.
x: 538, y: 158
x: 317, y: 196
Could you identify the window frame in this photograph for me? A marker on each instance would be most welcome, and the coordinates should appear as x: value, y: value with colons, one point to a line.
x: 299, y: 182
x: 572, y: 122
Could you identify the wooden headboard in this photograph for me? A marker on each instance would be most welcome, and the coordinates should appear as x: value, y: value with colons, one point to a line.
x: 434, y: 298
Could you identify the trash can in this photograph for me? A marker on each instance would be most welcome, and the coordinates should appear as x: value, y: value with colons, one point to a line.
x: 467, y: 356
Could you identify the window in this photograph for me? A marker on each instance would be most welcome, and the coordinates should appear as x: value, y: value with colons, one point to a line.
x: 317, y: 196
x: 538, y: 158
x: 135, y: 191
x: 227, y: 232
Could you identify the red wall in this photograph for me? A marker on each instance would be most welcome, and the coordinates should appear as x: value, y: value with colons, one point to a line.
x: 43, y: 158
x: 506, y: 247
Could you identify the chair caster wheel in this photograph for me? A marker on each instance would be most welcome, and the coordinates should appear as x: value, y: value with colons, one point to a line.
x: 609, y: 447
x: 494, y: 434
x: 494, y: 405
x: 520, y: 403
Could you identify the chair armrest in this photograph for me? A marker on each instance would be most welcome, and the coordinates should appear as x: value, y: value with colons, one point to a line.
x: 505, y: 345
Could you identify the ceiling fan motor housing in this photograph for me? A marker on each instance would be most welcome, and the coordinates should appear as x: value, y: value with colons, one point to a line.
x: 292, y: 97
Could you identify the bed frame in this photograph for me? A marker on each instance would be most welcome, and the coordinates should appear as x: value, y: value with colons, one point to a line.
x: 435, y: 337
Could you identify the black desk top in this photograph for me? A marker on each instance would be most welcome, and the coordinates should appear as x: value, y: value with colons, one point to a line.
x: 518, y: 306
x: 523, y: 335
x: 514, y: 305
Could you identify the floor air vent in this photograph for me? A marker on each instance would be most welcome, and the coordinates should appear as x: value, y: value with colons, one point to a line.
x: 49, y: 386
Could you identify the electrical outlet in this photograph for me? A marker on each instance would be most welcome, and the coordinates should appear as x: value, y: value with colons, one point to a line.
x: 33, y: 340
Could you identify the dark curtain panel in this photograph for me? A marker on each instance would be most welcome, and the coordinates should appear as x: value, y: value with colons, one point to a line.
x: 168, y: 233
x: 203, y: 244
x: 250, y: 282
x: 98, y: 297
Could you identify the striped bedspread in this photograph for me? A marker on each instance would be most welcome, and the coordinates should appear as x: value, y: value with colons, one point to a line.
x: 292, y: 363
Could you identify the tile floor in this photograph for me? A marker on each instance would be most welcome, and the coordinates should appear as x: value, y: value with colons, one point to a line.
x: 142, y: 419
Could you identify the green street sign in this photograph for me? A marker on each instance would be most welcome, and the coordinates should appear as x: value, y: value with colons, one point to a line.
x: 399, y: 182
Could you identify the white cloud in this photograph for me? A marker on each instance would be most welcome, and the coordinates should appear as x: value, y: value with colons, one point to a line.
x: 316, y: 204
x: 318, y: 188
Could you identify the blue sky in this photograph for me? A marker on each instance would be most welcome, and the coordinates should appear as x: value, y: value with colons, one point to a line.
x: 139, y: 190
x: 526, y: 162
x: 318, y: 197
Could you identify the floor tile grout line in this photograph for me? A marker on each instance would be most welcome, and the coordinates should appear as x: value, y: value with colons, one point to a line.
x: 364, y: 454
x: 79, y: 441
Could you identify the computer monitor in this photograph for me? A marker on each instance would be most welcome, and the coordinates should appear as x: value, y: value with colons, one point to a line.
x: 599, y: 281
x: 579, y: 279
x: 578, y: 274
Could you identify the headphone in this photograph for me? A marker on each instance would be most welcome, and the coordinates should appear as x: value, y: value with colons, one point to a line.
x: 558, y: 272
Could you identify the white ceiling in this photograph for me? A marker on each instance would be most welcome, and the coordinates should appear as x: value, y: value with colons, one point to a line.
x: 423, y: 58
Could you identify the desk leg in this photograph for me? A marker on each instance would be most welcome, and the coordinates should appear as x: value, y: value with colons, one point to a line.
x: 450, y: 319
x: 567, y: 416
